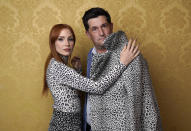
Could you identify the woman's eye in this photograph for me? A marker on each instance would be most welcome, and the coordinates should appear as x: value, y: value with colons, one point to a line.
x: 60, y: 39
x: 71, y: 39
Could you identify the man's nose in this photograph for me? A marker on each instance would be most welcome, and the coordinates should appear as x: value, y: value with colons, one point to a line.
x: 101, y: 33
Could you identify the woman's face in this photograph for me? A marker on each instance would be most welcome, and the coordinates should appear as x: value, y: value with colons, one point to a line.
x: 65, y: 43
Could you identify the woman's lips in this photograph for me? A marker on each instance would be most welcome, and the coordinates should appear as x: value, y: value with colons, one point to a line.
x: 67, y: 50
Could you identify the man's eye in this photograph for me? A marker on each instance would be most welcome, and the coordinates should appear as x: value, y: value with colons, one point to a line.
x: 104, y: 25
x: 94, y: 29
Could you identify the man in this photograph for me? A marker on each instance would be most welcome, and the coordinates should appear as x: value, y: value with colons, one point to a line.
x: 130, y: 103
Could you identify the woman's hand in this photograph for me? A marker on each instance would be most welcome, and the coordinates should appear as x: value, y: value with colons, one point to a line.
x: 76, y: 64
x: 129, y: 52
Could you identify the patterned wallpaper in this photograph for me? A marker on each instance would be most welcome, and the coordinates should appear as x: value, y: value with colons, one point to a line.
x: 163, y: 27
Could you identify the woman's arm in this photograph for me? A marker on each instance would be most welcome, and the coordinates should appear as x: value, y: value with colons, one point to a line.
x: 65, y: 75
x: 59, y: 73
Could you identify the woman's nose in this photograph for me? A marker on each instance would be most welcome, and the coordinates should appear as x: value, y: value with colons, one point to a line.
x: 66, y: 43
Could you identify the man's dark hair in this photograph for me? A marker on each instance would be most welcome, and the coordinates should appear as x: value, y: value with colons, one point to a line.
x: 93, y: 13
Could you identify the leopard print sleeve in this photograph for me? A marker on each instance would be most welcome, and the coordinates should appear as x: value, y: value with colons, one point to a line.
x: 65, y: 75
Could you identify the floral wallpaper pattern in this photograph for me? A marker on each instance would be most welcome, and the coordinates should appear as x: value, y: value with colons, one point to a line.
x: 162, y: 27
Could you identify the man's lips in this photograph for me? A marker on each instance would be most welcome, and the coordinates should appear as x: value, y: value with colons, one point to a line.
x: 102, y: 38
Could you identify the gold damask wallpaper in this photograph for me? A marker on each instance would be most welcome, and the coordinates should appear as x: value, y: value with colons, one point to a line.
x: 163, y: 27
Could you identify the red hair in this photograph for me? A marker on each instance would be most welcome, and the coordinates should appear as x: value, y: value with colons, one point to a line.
x: 53, y: 36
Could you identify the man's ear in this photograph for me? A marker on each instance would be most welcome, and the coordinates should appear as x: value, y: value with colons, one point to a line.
x: 88, y: 34
x: 111, y: 27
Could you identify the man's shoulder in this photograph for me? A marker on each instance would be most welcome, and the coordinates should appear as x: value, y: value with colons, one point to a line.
x: 90, y: 52
x: 137, y: 62
x: 139, y: 58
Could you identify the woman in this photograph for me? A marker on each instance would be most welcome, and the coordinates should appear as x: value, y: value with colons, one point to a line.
x: 64, y: 82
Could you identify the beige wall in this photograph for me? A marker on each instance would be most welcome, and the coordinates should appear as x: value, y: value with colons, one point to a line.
x: 162, y: 26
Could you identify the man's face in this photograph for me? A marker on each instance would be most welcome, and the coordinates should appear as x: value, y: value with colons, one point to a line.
x: 98, y: 30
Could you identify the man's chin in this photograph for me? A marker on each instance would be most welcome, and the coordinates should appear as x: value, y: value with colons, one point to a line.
x: 102, y: 42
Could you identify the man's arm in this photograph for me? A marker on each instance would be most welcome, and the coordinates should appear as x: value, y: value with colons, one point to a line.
x: 86, y: 103
x: 89, y: 60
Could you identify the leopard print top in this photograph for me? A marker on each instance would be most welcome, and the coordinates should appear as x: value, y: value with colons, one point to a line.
x: 130, y: 103
x: 64, y: 82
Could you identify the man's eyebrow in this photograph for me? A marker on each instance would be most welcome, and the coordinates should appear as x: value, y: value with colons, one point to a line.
x: 101, y: 25
x: 94, y: 27
x: 105, y: 23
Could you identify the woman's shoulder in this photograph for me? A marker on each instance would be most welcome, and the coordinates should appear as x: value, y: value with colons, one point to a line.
x: 53, y: 61
x: 54, y: 64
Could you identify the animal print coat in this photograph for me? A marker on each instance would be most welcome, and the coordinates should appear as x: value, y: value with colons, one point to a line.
x: 130, y: 103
